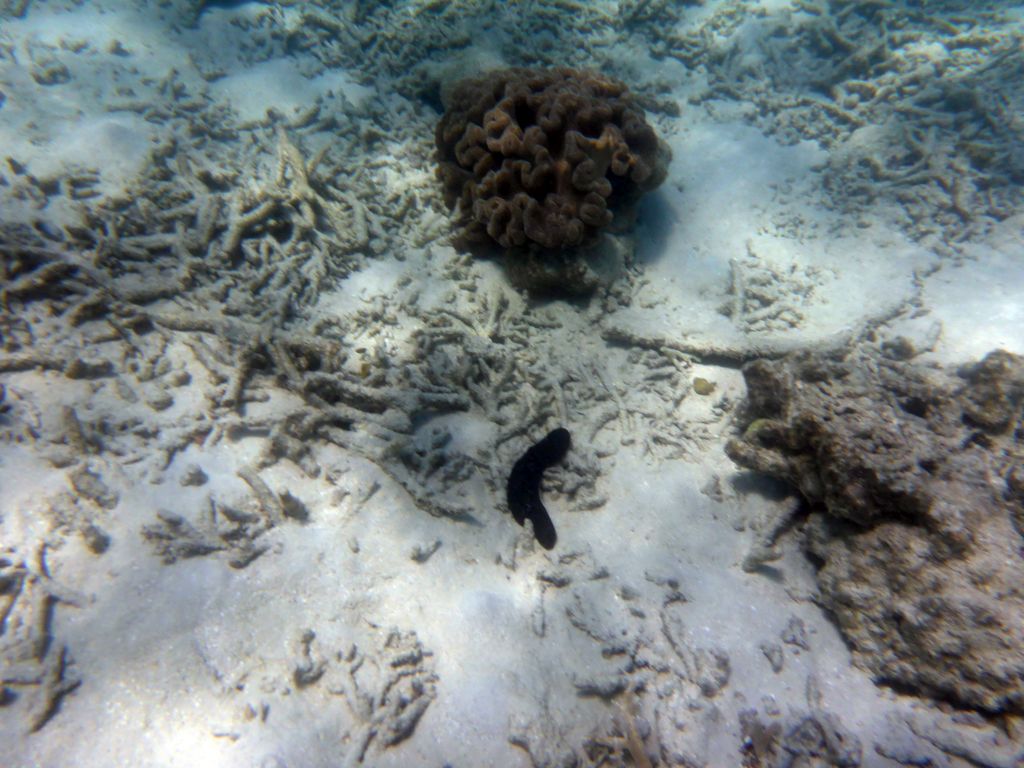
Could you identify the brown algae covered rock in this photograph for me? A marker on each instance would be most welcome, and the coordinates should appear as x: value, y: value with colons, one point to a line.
x: 911, y: 474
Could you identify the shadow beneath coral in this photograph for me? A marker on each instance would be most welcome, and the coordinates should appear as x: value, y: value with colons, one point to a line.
x: 762, y: 485
x: 655, y: 220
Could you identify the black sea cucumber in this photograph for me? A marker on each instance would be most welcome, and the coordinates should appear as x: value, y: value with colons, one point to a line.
x: 524, y: 484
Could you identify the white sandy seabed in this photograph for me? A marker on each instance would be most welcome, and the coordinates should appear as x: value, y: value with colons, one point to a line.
x: 197, y: 663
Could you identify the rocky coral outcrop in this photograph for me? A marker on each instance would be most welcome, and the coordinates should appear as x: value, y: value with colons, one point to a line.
x: 913, y: 476
x: 539, y: 161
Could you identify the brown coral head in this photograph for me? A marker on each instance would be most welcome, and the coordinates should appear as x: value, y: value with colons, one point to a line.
x: 543, y: 158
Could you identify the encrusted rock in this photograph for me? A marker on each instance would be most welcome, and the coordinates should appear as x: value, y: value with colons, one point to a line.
x: 910, y: 475
x: 90, y: 485
x: 193, y: 475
